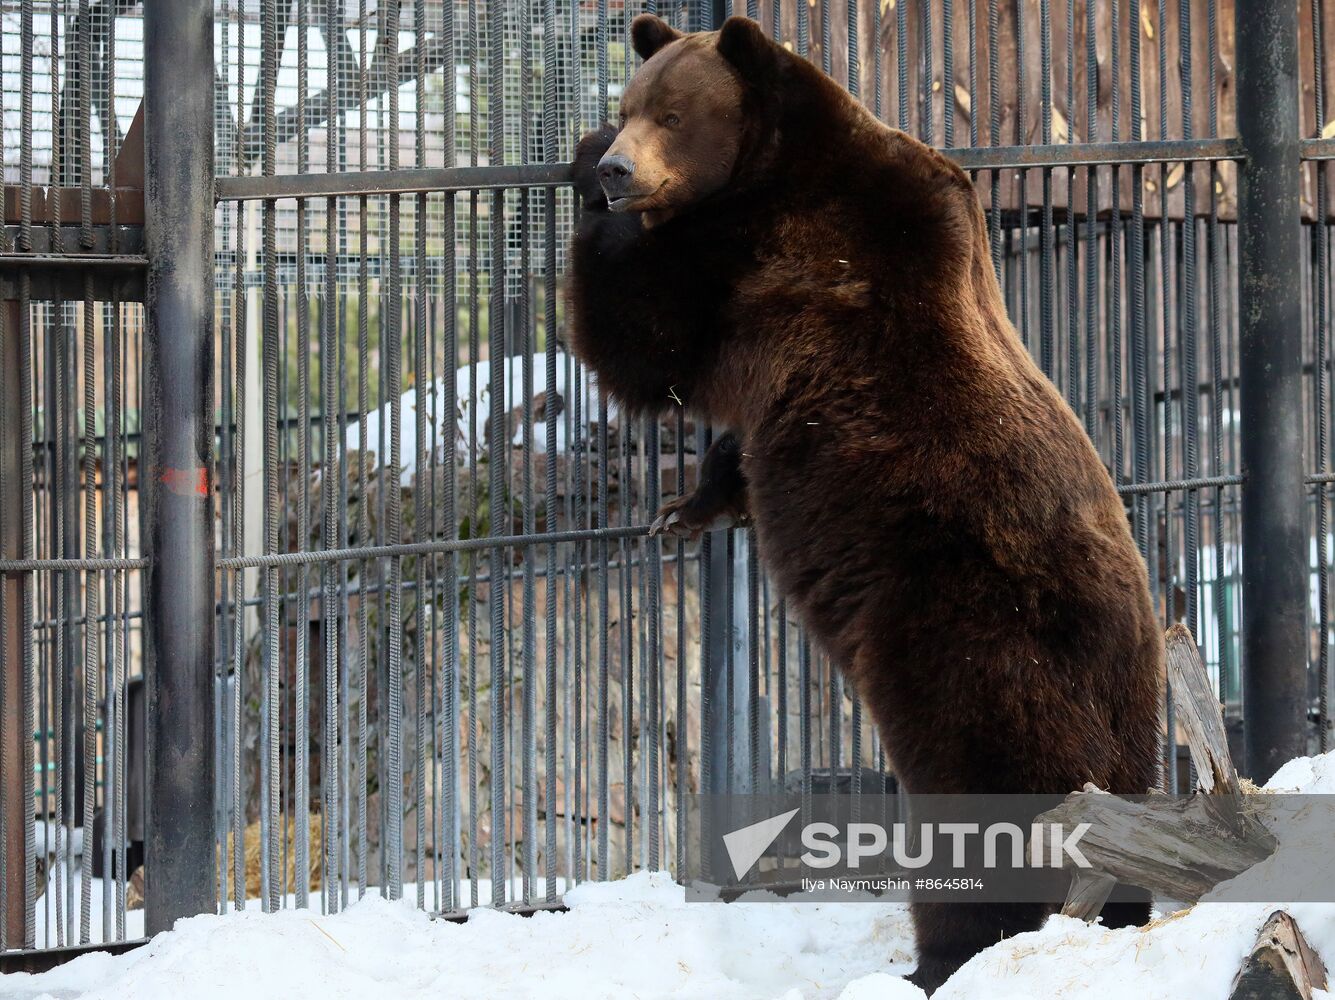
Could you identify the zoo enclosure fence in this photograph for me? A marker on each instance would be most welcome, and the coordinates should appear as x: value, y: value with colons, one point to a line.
x: 324, y: 563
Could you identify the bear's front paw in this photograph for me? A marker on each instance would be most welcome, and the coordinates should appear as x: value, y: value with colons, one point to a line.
x: 688, y: 517
x: 589, y: 150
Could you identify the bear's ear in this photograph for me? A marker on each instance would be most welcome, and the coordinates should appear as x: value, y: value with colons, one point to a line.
x: 649, y: 33
x: 742, y: 43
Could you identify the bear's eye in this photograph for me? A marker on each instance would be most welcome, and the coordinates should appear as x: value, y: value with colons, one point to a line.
x: 670, y: 120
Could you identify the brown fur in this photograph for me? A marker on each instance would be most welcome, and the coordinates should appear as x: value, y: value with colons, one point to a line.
x: 922, y: 493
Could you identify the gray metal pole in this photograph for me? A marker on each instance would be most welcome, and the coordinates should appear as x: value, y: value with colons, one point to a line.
x: 176, y: 466
x: 1274, y: 501
x: 15, y: 785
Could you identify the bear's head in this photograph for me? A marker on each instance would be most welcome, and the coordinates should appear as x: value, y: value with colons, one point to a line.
x: 687, y: 116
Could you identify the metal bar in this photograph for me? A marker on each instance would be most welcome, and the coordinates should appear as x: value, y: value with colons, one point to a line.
x: 329, y: 529
x: 391, y: 355
x: 176, y: 497
x: 994, y: 126
x: 474, y: 314
x: 1320, y: 289
x: 15, y: 802
x: 1092, y: 154
x: 92, y: 636
x: 1316, y: 149
x: 1175, y: 485
x: 503, y: 541
x: 449, y: 667
x: 414, y: 181
x: 339, y: 822
x: 1274, y: 526
x: 81, y: 262
x: 496, y: 335
x: 422, y: 522
x: 240, y: 364
x: 271, y: 352
x: 115, y: 801
x: 551, y: 72
x: 408, y: 181
x: 364, y: 466
x: 301, y: 709
x: 46, y: 959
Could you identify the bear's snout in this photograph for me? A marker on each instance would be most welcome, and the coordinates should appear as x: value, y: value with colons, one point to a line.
x: 615, y: 172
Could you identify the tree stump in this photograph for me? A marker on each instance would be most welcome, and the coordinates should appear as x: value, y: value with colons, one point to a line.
x: 1281, y: 966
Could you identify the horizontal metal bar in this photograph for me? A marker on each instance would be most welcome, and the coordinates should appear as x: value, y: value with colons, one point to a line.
x: 56, y: 565
x: 354, y: 589
x: 79, y: 260
x: 1096, y: 154
x: 42, y: 202
x: 1319, y: 478
x: 428, y: 548
x: 78, y: 621
x: 1172, y: 485
x: 1317, y: 149
x: 587, y: 534
x: 514, y: 909
x: 119, y: 241
x: 371, y: 182
x: 455, y: 545
x: 45, y: 959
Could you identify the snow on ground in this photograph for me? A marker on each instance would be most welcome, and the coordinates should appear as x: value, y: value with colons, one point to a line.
x: 638, y: 938
x: 633, y: 938
x: 100, y: 891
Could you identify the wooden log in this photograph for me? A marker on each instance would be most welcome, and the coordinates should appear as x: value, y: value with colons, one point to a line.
x: 1180, y: 848
x: 1199, y: 714
x: 1089, y: 891
x: 1281, y: 966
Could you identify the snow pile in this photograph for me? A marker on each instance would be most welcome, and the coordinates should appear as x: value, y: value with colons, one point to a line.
x: 1309, y: 775
x: 634, y: 938
x: 442, y: 431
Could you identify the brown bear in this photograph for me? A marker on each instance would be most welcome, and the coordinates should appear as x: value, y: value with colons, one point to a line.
x: 756, y: 245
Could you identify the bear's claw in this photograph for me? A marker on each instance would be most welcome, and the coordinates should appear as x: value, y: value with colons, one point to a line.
x: 679, y: 519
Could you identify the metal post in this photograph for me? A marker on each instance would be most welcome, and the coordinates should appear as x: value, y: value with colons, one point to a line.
x: 743, y: 606
x: 15, y: 785
x: 177, y: 497
x: 714, y: 639
x: 1274, y: 506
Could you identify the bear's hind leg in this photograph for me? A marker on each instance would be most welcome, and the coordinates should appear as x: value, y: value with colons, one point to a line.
x: 949, y: 934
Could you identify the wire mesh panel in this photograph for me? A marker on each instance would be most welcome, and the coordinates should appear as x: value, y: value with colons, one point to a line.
x: 70, y: 608
x: 478, y: 717
x: 453, y: 661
